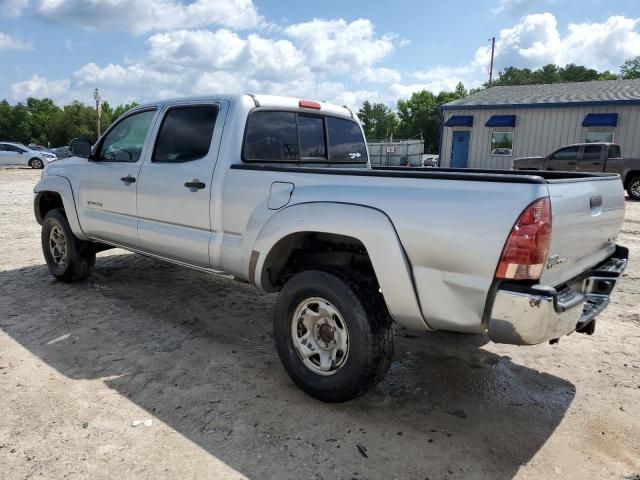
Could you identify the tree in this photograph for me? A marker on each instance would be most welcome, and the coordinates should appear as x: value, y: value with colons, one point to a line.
x: 121, y: 109
x: 419, y: 115
x: 630, y: 69
x: 42, y: 114
x: 378, y: 120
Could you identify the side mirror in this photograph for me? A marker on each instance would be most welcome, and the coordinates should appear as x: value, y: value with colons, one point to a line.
x: 80, y: 147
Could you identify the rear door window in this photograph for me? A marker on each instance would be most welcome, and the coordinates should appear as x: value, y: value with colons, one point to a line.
x: 271, y: 137
x: 614, y: 151
x: 346, y: 142
x: 591, y: 152
x: 185, y: 134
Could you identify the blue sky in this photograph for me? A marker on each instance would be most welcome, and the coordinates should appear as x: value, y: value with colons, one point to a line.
x: 340, y: 51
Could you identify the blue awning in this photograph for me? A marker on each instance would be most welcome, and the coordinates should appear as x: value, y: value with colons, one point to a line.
x: 459, y: 121
x: 501, y: 121
x: 600, y: 120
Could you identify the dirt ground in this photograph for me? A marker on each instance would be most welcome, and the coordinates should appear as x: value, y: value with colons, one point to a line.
x: 145, y: 340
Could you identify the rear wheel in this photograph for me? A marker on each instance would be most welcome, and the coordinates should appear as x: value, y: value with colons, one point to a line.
x: 36, y: 163
x: 68, y: 258
x: 633, y: 188
x: 334, y: 336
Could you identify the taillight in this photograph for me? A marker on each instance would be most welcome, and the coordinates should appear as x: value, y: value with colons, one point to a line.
x: 525, y: 252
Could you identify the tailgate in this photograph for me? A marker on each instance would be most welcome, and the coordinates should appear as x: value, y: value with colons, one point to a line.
x: 586, y: 217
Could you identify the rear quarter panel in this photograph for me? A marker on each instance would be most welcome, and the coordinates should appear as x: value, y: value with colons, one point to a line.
x: 452, y: 231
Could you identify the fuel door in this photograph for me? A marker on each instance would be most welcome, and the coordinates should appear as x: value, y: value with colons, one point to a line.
x: 280, y: 194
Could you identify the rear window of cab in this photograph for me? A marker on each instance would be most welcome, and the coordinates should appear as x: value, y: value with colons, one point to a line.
x: 293, y: 137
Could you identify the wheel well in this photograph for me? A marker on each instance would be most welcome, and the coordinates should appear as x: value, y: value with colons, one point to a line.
x: 315, y: 251
x: 630, y: 176
x: 47, y: 201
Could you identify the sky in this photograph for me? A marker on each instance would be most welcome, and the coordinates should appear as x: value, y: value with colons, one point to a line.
x: 341, y: 51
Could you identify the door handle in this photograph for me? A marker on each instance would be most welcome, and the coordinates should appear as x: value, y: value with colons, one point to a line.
x: 128, y: 179
x: 571, y: 163
x: 194, y: 184
x: 596, y: 163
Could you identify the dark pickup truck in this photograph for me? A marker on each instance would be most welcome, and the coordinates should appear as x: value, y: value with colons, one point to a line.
x: 589, y: 157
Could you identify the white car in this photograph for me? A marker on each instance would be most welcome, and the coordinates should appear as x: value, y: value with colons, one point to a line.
x: 13, y: 153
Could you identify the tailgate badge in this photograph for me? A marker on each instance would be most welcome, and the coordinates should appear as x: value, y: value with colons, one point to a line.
x: 555, y: 260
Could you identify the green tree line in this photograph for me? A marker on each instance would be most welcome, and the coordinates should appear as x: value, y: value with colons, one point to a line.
x: 41, y: 121
x: 419, y: 116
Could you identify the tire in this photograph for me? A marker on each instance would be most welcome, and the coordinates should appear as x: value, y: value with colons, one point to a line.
x: 362, y: 314
x: 36, y: 163
x: 633, y: 188
x: 72, y: 259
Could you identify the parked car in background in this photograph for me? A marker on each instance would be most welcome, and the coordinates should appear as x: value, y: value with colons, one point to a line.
x: 62, y: 152
x: 14, y: 153
x: 430, y: 160
x: 589, y: 157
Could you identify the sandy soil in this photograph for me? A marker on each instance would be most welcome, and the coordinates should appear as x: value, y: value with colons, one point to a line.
x: 192, y: 352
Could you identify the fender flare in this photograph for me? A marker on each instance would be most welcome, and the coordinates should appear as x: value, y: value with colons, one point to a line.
x: 371, y: 227
x: 62, y: 187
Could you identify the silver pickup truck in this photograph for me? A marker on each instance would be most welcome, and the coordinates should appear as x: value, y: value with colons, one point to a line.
x: 279, y: 192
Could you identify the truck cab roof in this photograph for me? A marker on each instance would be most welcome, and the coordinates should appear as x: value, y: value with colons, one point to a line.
x: 274, y: 101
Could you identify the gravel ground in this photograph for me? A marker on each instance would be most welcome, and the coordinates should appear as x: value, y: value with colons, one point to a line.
x: 145, y: 340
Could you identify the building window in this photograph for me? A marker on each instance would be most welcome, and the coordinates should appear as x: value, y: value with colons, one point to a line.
x: 501, y: 143
x: 606, y: 137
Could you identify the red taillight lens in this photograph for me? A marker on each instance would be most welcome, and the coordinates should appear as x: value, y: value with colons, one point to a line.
x: 525, y: 253
x: 309, y: 104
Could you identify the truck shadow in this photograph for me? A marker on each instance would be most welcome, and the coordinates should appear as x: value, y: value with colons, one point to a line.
x: 196, y: 352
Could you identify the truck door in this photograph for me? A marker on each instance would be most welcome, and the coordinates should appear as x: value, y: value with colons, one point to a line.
x: 592, y: 159
x: 108, y: 182
x: 174, y: 192
x: 565, y: 159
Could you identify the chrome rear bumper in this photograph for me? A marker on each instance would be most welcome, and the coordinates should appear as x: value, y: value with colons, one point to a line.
x: 532, y: 315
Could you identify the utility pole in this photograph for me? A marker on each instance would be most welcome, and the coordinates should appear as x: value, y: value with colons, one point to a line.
x: 493, y: 49
x: 97, y: 98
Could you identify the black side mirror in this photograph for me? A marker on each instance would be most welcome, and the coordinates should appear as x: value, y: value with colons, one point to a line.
x: 80, y: 147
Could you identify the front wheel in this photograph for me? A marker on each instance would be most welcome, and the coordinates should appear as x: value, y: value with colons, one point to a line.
x: 68, y: 258
x: 633, y: 188
x: 334, y: 336
x: 36, y: 163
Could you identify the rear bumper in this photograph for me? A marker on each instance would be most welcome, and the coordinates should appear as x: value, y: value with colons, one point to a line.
x: 532, y: 315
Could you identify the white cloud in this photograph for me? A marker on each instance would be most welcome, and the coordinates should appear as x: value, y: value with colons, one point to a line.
x: 379, y: 75
x: 8, y: 42
x: 345, y: 47
x: 142, y: 16
x: 187, y: 62
x: 536, y: 41
x: 13, y: 8
x: 38, y: 86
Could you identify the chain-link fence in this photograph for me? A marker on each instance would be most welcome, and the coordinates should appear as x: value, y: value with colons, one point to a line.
x: 396, y: 153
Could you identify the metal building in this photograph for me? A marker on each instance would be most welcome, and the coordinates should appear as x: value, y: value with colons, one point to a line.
x: 490, y: 128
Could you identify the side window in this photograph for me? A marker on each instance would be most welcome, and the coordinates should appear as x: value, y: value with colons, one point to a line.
x: 614, y: 151
x: 125, y: 141
x: 346, y: 143
x: 311, y: 130
x: 569, y: 153
x: 271, y: 137
x: 591, y: 152
x: 185, y: 134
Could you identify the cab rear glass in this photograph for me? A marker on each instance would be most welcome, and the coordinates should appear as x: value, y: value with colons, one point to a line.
x: 295, y: 137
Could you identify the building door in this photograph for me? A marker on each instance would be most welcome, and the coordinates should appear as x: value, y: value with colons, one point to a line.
x: 460, y: 150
